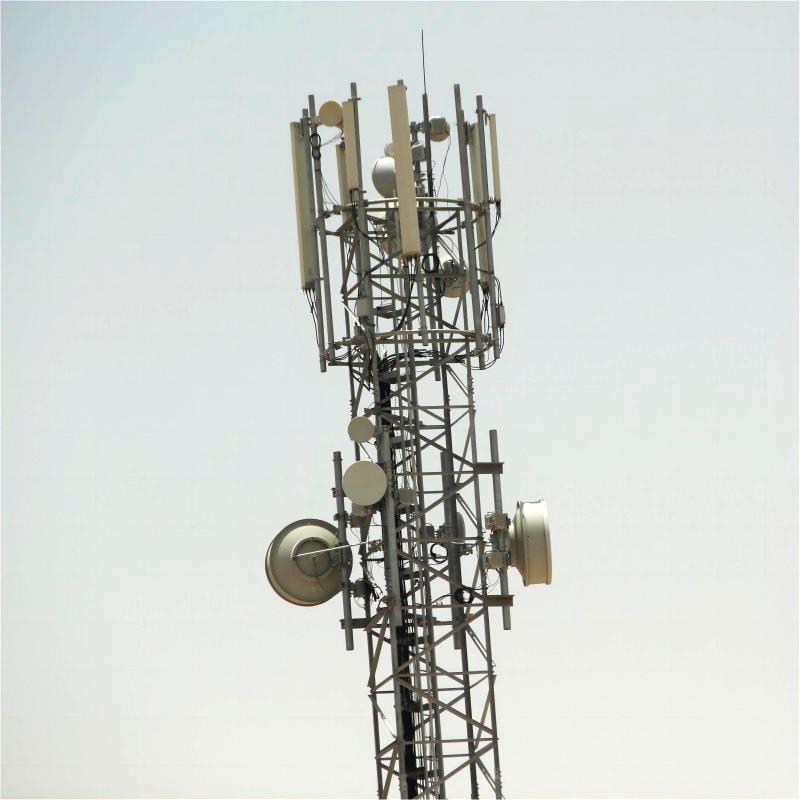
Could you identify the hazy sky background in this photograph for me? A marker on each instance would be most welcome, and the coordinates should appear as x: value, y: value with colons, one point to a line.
x: 164, y: 417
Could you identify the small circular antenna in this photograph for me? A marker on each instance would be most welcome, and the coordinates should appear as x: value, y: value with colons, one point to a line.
x: 383, y: 177
x: 300, y: 565
x: 361, y: 429
x: 330, y: 114
x: 364, y: 483
x: 529, y: 543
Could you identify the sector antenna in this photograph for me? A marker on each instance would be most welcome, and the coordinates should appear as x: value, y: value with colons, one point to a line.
x: 402, y: 284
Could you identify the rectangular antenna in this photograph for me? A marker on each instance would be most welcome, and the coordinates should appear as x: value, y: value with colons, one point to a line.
x: 495, y: 157
x: 350, y: 145
x: 404, y: 171
x: 477, y: 196
x: 306, y: 236
x: 344, y: 189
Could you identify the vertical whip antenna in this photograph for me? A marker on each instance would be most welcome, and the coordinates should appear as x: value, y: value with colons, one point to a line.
x: 424, y: 82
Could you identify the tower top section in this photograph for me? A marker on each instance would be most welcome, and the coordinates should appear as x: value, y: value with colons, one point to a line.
x: 407, y: 251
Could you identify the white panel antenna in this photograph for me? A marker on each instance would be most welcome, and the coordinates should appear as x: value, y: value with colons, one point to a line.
x: 404, y: 171
x: 304, y: 205
x: 477, y: 196
x: 350, y: 146
x: 495, y: 156
x: 344, y: 191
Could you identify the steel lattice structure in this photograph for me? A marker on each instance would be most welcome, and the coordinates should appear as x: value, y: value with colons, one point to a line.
x: 412, y: 330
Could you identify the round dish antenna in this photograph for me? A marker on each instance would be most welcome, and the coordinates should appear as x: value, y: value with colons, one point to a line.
x: 300, y: 565
x: 529, y: 542
x: 330, y: 114
x: 383, y: 176
x: 364, y: 483
x: 361, y: 429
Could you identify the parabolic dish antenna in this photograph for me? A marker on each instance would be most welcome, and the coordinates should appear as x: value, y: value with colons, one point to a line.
x: 296, y: 569
x: 364, y: 483
x: 383, y: 176
x: 361, y: 429
x: 529, y: 542
x: 330, y: 114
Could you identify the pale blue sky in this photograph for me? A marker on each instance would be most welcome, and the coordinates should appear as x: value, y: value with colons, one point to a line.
x: 163, y: 415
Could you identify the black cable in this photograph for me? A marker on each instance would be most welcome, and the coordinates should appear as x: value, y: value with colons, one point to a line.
x: 444, y: 164
x: 312, y: 307
x: 411, y: 280
x: 437, y: 262
x: 332, y: 139
x: 326, y: 189
x: 437, y: 559
x: 365, y: 235
x: 459, y: 595
x: 496, y: 223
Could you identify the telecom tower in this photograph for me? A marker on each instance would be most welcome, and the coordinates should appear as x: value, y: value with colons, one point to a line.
x: 419, y: 311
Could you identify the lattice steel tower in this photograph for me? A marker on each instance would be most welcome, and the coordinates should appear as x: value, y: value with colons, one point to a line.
x: 419, y: 311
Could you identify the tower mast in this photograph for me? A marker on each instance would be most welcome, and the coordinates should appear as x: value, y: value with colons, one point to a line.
x: 419, y: 311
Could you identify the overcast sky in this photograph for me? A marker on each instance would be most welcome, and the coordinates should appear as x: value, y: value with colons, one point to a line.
x: 164, y: 417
